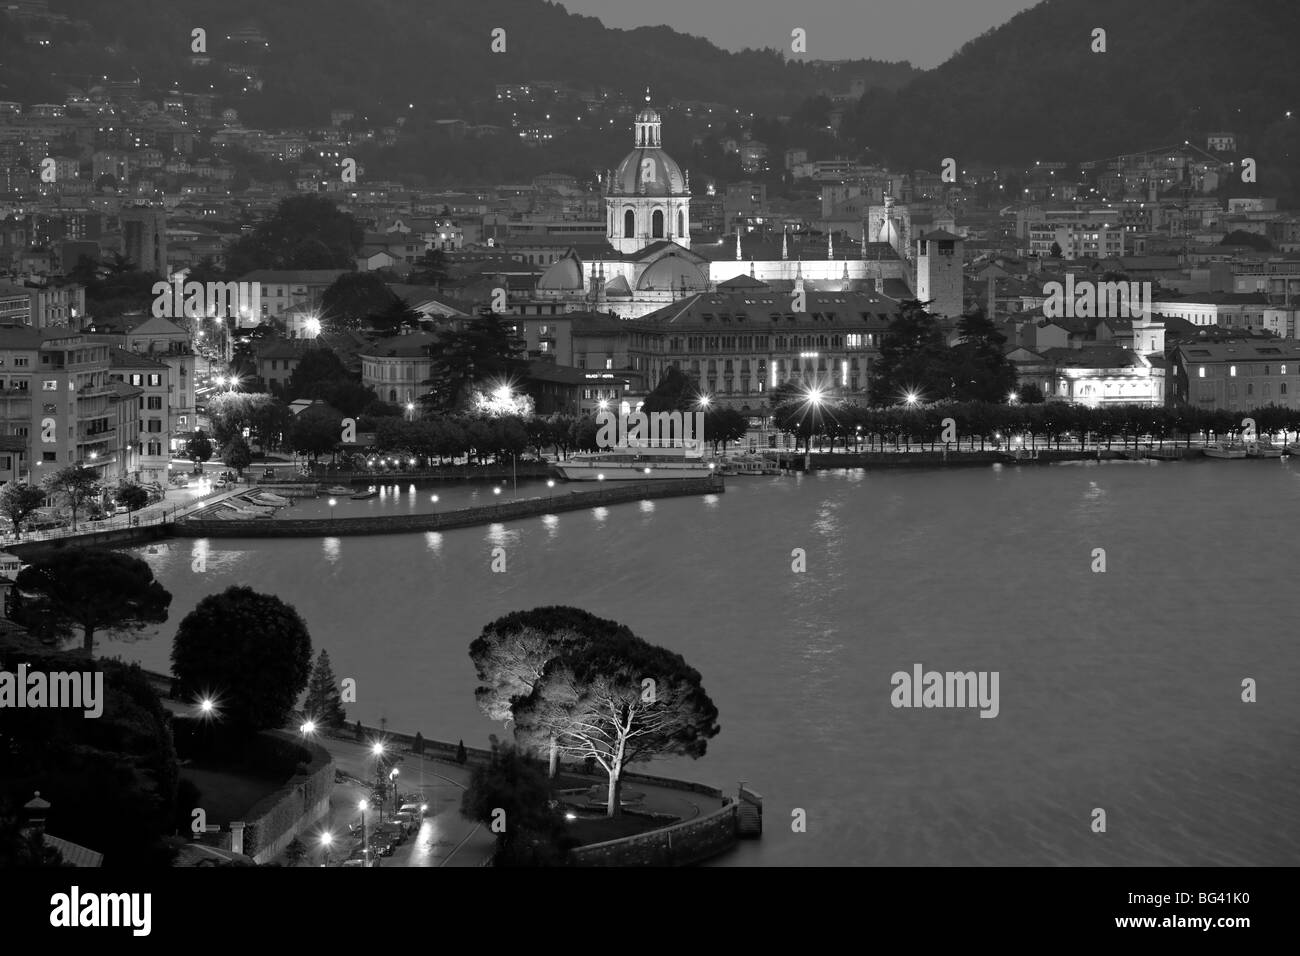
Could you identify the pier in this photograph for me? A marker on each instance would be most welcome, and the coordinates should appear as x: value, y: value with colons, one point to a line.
x: 610, y: 493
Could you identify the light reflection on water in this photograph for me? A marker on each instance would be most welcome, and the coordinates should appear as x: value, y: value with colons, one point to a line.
x: 1118, y: 690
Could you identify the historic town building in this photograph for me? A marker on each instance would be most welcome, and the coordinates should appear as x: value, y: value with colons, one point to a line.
x: 648, y: 261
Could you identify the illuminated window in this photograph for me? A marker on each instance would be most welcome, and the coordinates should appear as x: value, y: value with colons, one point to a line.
x: 1200, y: 372
x: 1232, y: 370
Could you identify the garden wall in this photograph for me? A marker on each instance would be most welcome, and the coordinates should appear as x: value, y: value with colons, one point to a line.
x: 273, y: 822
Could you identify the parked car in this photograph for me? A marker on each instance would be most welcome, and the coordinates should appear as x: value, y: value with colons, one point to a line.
x: 415, y: 809
x: 409, y: 821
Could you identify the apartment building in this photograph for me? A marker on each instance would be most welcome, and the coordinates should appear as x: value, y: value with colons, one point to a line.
x: 154, y: 433
x: 56, y: 396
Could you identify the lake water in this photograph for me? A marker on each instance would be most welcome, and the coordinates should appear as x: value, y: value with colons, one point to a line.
x: 1118, y: 690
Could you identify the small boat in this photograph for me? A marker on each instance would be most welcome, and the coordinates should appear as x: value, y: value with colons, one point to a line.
x: 1263, y: 449
x: 338, y: 490
x: 368, y: 493
x: 1225, y: 450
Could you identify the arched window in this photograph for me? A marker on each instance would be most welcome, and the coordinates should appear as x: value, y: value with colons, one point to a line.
x: 681, y: 223
x: 629, y: 224
x: 392, y: 394
x: 657, y: 225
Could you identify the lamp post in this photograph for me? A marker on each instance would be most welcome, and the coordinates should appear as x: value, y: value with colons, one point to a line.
x: 365, y: 843
x: 326, y: 840
x: 392, y: 782
x: 333, y: 502
x: 550, y: 484
x: 378, y: 750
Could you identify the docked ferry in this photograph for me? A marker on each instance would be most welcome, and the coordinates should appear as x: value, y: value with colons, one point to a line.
x: 634, y: 464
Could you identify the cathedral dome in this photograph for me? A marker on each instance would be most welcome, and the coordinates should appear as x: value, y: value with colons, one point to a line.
x: 563, y: 276
x: 672, y: 274
x: 648, y: 170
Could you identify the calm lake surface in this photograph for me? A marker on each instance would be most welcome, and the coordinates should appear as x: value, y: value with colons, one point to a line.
x: 1118, y: 690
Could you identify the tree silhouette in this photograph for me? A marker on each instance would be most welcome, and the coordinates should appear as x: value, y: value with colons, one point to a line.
x: 249, y: 652
x: 95, y: 591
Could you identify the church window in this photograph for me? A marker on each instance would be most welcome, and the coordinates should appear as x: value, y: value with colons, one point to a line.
x: 657, y: 224
x: 681, y: 223
x: 629, y: 224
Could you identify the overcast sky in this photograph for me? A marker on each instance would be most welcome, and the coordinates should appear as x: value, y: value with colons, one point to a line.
x: 926, y: 32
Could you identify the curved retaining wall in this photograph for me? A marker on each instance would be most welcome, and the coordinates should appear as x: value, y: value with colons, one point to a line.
x: 614, y: 493
x: 272, y: 823
x: 681, y: 844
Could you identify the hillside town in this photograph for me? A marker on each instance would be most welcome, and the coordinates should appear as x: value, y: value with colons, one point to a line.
x: 339, y: 363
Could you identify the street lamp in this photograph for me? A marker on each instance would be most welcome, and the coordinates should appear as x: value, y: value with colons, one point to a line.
x: 333, y: 502
x: 392, y: 781
x: 308, y: 728
x: 365, y: 842
x: 550, y: 484
x: 326, y: 840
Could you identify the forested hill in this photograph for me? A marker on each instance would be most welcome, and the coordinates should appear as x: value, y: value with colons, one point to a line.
x: 1034, y: 89
x: 378, y: 56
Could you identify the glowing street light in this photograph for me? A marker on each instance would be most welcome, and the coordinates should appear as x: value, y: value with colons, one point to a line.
x: 705, y: 402
x: 363, y: 806
x: 333, y: 502
x: 308, y: 728
x: 1012, y: 398
x: 911, y: 398
x: 550, y: 484
x: 326, y: 841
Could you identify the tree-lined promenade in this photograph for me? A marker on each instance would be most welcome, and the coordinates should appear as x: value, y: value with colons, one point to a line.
x: 978, y: 426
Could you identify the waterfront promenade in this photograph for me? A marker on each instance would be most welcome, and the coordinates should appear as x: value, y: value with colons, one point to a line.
x: 610, y: 493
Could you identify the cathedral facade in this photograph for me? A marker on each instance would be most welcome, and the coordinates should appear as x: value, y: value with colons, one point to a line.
x: 648, y: 261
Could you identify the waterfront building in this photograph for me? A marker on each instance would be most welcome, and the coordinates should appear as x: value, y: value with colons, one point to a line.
x: 153, y: 437
x: 1238, y: 375
x: 55, y: 395
x: 397, y: 367
x: 737, y: 344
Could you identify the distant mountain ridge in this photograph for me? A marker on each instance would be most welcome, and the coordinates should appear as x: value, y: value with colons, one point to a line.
x: 1033, y: 89
x: 380, y: 55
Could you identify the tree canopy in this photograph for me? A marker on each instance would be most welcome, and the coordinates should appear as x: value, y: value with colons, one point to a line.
x: 249, y: 652
x: 304, y: 232
x: 91, y: 590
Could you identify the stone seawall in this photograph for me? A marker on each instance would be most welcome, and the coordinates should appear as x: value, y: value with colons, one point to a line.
x: 681, y: 844
x: 116, y: 538
x: 613, y: 493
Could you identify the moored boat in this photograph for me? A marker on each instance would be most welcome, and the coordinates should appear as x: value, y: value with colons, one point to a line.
x: 338, y: 490
x: 363, y: 495
x: 1224, y: 449
x: 1263, y: 449
x: 631, y: 463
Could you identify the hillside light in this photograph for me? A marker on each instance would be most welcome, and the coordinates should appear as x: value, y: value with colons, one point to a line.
x: 377, y: 749
x: 308, y: 728
x: 912, y: 398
